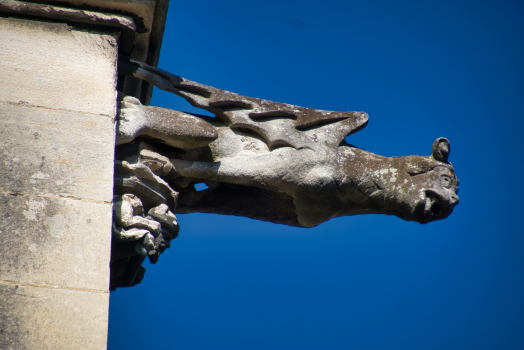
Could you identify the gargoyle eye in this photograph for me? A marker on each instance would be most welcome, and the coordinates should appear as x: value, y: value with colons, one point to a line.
x: 446, y: 181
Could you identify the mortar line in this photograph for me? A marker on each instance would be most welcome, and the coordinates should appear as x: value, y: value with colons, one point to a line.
x: 50, y: 286
x: 26, y: 104
x: 17, y: 193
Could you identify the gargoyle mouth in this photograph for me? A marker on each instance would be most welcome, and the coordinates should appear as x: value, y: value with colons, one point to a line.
x: 432, y: 207
x: 435, y: 207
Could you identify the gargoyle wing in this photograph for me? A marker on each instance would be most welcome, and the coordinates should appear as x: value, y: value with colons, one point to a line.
x: 238, y: 111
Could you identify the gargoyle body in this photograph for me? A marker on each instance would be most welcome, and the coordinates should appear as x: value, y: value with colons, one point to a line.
x: 278, y: 162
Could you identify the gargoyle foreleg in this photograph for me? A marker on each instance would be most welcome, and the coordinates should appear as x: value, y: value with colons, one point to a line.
x: 174, y: 128
x: 281, y: 167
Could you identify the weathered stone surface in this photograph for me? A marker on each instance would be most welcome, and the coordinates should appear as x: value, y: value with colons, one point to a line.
x: 49, y: 319
x: 150, y: 18
x: 288, y: 164
x: 55, y: 66
x: 57, y: 110
x: 142, y: 9
x: 143, y: 221
x: 55, y: 152
x: 176, y: 129
x: 55, y: 241
x: 121, y: 23
x: 319, y: 184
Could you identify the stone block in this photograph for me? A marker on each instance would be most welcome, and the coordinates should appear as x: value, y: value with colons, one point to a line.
x: 44, y: 318
x: 56, y: 66
x: 55, y: 152
x: 55, y: 241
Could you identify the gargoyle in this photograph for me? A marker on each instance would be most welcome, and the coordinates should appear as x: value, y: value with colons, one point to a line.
x: 278, y: 162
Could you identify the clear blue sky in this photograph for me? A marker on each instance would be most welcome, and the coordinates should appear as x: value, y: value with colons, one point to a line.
x: 421, y: 70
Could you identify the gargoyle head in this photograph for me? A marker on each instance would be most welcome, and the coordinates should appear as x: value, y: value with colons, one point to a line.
x: 416, y: 188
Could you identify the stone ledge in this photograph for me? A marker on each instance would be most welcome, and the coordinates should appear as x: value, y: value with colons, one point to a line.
x: 149, y: 17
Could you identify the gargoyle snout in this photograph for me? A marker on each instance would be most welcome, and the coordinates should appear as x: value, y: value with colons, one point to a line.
x: 437, y: 205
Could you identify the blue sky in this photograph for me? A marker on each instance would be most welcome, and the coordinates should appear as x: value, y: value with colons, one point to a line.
x: 421, y: 70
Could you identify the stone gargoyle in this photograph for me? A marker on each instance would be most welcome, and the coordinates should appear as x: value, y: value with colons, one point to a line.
x: 277, y: 162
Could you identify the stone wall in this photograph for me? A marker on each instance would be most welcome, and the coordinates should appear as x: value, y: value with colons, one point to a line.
x: 57, y: 110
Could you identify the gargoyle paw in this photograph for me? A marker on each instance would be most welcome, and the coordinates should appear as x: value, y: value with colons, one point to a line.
x: 131, y: 119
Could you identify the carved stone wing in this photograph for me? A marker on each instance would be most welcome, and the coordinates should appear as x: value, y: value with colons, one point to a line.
x: 238, y: 111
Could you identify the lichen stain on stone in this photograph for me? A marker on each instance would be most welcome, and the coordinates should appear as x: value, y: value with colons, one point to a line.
x: 34, y: 207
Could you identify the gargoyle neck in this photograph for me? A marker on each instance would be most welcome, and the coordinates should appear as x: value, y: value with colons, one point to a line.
x: 368, y: 182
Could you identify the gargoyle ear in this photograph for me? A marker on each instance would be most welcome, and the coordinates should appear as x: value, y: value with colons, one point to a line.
x: 441, y: 149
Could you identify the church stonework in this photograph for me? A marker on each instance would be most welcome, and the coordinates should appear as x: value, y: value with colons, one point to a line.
x: 90, y: 186
x: 58, y: 106
x: 259, y: 159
